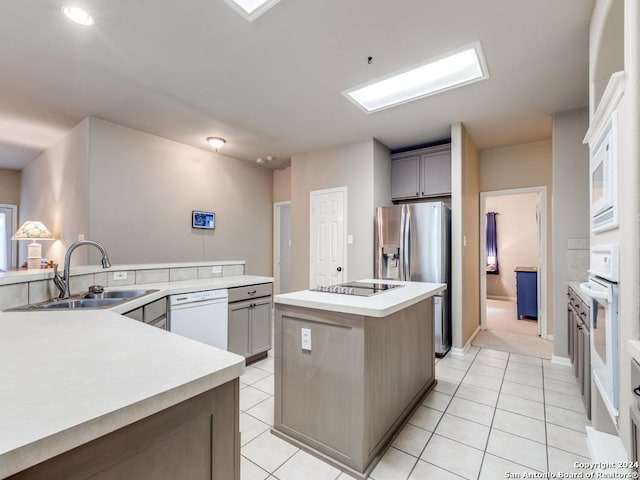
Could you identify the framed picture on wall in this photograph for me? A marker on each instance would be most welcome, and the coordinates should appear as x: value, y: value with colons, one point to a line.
x: 200, y: 219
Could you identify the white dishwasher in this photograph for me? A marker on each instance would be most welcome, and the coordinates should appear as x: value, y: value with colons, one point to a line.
x: 202, y: 316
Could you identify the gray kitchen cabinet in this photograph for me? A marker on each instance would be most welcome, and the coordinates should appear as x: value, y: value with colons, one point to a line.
x: 579, y: 346
x: 197, y: 439
x: 421, y: 173
x: 239, y: 330
x: 154, y: 313
x: 261, y: 326
x: 250, y: 311
x: 405, y: 177
x: 137, y: 314
x: 346, y: 395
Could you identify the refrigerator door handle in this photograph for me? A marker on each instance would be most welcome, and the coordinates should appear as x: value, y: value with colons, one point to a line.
x: 405, y: 234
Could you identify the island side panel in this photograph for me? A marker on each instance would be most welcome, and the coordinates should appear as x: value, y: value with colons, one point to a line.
x: 197, y: 439
x: 400, y: 369
x: 346, y: 398
x: 319, y: 393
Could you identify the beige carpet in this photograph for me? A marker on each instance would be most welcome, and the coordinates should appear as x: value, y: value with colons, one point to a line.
x: 506, y: 333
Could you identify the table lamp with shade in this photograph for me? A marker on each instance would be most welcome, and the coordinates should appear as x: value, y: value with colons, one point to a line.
x: 33, y: 230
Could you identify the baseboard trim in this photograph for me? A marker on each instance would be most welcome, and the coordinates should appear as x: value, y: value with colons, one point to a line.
x: 560, y: 361
x: 607, y: 451
x: 459, y: 352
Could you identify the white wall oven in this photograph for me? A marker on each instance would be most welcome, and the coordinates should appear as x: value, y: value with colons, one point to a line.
x: 603, y: 180
x: 602, y: 287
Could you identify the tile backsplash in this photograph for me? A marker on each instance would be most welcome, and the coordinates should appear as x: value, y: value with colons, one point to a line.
x: 577, y: 259
x: 22, y: 293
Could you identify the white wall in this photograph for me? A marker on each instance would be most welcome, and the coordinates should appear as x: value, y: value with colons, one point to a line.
x: 521, y: 166
x: 282, y: 185
x: 381, y: 175
x: 134, y: 192
x: 144, y: 187
x: 603, y: 46
x: 55, y: 189
x: 570, y: 209
x: 465, y: 237
x: 356, y: 166
x: 517, y: 232
x: 9, y: 186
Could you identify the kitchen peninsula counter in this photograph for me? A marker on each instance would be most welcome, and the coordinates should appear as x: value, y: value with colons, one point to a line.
x: 71, y: 378
x: 350, y: 370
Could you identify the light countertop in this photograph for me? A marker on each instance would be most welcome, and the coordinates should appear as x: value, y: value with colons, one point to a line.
x: 70, y: 377
x: 379, y: 305
x: 575, y: 286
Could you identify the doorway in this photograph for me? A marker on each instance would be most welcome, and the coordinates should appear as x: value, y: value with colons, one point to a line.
x: 513, y: 279
x: 8, y: 225
x: 328, y: 238
x: 282, y: 247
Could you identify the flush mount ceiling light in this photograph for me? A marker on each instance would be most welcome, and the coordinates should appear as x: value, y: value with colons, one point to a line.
x: 78, y: 15
x: 216, y: 142
x: 251, y: 9
x: 452, y: 70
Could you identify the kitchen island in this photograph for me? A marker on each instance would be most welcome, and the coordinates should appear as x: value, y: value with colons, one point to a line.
x: 349, y: 370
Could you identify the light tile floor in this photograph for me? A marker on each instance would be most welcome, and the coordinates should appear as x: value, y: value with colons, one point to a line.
x: 490, y: 413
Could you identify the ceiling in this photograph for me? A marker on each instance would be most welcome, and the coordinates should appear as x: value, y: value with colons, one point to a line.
x: 189, y: 69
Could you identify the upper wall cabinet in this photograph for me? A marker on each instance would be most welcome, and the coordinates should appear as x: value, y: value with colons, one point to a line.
x: 421, y: 173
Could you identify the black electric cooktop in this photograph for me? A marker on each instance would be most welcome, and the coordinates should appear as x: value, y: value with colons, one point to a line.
x: 361, y: 289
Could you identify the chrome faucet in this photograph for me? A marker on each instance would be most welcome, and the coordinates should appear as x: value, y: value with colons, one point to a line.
x: 62, y: 282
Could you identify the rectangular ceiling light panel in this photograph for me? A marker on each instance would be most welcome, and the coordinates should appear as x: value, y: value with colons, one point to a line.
x: 251, y: 9
x: 462, y: 67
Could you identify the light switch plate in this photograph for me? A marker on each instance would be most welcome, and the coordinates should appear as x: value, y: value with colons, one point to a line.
x: 305, y: 334
x: 216, y: 269
x: 350, y: 239
x: 119, y: 275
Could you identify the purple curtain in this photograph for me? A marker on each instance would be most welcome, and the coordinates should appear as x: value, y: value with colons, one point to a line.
x: 492, y: 244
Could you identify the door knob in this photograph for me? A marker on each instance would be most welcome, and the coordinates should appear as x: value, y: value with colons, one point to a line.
x: 339, y: 269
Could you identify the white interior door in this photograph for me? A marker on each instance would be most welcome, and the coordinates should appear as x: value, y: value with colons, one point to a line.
x: 8, y: 225
x: 328, y: 239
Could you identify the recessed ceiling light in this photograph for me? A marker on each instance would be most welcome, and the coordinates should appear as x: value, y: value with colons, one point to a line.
x: 78, y: 15
x: 452, y: 70
x: 251, y: 9
x: 216, y: 142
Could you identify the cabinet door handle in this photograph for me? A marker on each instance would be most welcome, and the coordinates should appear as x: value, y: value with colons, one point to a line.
x: 252, y: 292
x: 637, y: 391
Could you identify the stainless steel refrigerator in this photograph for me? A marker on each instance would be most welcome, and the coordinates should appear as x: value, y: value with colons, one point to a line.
x: 413, y: 243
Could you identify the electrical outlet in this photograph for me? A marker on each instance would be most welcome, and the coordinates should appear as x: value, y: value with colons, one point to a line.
x: 350, y: 239
x: 305, y: 334
x: 216, y: 269
x: 119, y: 275
x: 80, y: 237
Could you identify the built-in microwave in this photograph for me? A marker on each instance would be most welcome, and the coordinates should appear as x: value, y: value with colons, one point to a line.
x: 603, y: 180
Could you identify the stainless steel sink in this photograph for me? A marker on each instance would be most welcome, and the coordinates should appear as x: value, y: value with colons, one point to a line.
x: 103, y: 300
x: 77, y: 303
x: 117, y: 294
